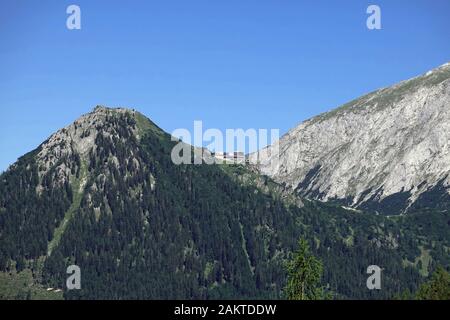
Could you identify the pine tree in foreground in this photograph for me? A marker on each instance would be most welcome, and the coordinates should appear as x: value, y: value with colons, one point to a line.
x: 304, y: 275
x: 437, y: 288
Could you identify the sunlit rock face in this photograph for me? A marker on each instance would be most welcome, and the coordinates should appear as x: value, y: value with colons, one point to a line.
x: 76, y: 141
x: 389, y: 147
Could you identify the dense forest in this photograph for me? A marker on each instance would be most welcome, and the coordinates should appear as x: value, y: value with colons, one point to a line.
x: 140, y: 227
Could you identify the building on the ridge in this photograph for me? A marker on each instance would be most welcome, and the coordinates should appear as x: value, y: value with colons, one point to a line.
x: 230, y: 157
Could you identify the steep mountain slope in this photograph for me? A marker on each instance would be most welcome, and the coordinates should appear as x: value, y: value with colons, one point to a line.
x: 388, y: 151
x: 104, y: 194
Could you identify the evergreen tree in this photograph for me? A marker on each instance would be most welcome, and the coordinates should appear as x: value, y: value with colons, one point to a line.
x: 437, y: 288
x: 304, y: 275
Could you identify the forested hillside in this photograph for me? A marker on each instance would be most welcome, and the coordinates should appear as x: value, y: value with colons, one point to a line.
x: 140, y: 227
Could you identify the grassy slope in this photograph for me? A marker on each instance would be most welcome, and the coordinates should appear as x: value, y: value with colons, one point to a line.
x: 77, y: 195
x: 22, y: 286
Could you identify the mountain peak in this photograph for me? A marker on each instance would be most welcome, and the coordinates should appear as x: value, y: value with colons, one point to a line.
x: 80, y: 138
x: 106, y: 109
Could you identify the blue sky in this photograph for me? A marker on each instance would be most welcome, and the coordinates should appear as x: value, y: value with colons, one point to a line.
x: 232, y: 64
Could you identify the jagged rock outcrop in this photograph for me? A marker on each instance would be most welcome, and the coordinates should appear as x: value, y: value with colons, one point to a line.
x: 383, y: 151
x: 77, y: 141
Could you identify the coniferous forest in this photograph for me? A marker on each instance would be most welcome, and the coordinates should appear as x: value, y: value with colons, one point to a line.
x: 140, y: 227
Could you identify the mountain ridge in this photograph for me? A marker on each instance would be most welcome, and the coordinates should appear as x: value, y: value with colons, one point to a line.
x: 104, y: 194
x: 355, y: 154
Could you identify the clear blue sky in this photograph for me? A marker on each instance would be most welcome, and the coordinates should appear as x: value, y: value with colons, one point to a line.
x: 231, y: 63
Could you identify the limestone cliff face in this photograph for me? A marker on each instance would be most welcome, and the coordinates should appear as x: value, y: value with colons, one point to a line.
x: 392, y: 143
